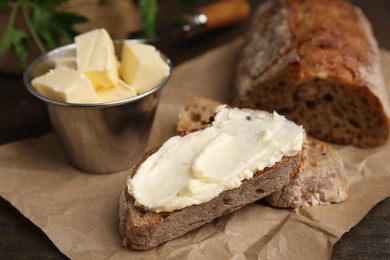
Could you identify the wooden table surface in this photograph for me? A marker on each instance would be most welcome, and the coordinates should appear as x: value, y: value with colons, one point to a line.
x: 21, y: 117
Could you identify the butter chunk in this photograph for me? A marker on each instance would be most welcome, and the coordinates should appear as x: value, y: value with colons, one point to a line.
x: 121, y: 91
x: 142, y: 66
x: 69, y: 62
x: 96, y: 58
x: 66, y: 85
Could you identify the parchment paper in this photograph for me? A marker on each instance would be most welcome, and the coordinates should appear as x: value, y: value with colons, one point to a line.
x: 79, y: 211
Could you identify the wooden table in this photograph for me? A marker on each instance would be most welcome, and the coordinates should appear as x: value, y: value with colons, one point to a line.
x: 22, y: 117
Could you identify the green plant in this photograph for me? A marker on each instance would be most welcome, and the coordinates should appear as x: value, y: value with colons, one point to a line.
x: 47, y: 27
x: 148, y: 10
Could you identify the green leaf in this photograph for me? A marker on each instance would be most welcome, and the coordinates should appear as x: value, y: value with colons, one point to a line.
x: 47, y: 27
x: 3, y: 5
x: 42, y: 20
x: 191, y: 4
x: 69, y: 19
x: 48, y: 4
x: 15, y: 40
x: 20, y: 51
x: 107, y: 2
x: 53, y: 27
x: 64, y: 25
x: 11, y: 37
x: 148, y: 10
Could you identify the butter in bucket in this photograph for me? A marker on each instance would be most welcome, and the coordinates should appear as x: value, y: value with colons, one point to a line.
x: 101, y: 97
x: 95, y: 75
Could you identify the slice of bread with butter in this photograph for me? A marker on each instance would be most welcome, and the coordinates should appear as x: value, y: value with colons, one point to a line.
x: 241, y: 156
x: 321, y: 180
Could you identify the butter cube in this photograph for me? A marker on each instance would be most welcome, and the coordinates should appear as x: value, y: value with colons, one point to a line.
x: 69, y: 62
x: 96, y: 58
x: 66, y: 85
x: 121, y: 91
x: 142, y: 66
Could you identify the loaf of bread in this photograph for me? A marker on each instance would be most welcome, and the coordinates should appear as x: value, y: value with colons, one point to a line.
x: 316, y: 62
x: 142, y: 228
x: 321, y: 179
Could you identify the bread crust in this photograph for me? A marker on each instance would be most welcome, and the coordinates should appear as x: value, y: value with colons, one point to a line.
x: 317, y: 63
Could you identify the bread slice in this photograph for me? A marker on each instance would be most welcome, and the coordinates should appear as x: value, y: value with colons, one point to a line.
x: 143, y: 229
x: 196, y: 113
x: 321, y: 179
x: 316, y: 62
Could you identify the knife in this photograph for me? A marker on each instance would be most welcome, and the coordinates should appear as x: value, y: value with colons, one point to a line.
x: 220, y: 14
x: 217, y: 15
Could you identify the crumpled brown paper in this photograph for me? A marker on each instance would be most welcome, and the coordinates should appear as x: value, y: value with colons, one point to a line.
x: 79, y: 211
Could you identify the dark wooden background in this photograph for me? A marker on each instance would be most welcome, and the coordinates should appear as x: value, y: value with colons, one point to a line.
x: 22, y: 116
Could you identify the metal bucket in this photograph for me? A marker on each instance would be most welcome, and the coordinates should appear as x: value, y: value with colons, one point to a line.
x: 102, y: 137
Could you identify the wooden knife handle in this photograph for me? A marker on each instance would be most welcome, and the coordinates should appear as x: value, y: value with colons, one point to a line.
x: 225, y: 12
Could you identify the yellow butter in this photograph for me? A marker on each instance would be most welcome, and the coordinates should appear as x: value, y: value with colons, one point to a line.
x: 96, y: 58
x: 142, y: 66
x: 65, y: 85
x: 69, y: 62
x: 121, y: 91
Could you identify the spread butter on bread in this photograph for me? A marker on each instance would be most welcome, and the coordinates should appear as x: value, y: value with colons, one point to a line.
x: 316, y: 62
x: 321, y: 179
x: 239, y: 157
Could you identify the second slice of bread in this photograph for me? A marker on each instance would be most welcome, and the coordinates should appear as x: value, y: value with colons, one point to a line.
x: 321, y: 181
